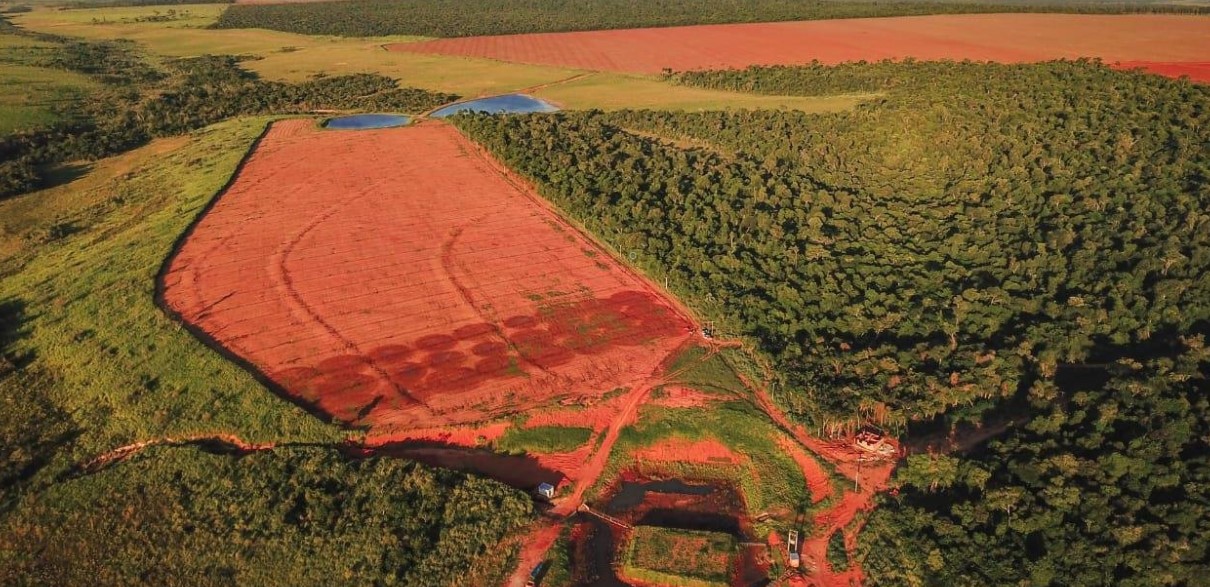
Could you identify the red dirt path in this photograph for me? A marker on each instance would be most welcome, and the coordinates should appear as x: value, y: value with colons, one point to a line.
x: 870, y: 477
x: 395, y: 278
x: 1011, y: 38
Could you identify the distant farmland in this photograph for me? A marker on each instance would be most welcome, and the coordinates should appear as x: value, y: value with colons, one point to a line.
x: 1010, y: 38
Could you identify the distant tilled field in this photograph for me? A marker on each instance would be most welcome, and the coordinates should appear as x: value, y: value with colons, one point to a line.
x: 1160, y: 42
x: 396, y: 276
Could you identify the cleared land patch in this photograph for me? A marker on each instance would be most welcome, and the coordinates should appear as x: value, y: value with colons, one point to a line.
x: 1013, y: 38
x: 397, y: 278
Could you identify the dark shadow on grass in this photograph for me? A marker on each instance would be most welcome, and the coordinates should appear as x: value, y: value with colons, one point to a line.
x: 33, y: 428
x: 62, y: 173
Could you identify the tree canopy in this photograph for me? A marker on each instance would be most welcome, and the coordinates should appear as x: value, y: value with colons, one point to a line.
x: 290, y: 516
x: 960, y: 238
x: 1023, y: 247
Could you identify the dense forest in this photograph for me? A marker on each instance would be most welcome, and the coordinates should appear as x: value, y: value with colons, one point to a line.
x: 457, y: 18
x: 1108, y: 484
x: 958, y: 239
x: 141, y: 101
x: 1021, y: 247
x: 183, y: 516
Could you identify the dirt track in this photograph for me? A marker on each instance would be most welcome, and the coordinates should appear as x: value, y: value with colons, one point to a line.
x: 1011, y: 38
x: 869, y: 478
x: 394, y: 277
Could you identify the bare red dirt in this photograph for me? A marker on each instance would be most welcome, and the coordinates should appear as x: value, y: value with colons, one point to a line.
x: 1010, y: 38
x: 684, y: 451
x: 676, y: 396
x: 1195, y: 71
x: 396, y: 279
x: 596, y: 417
x: 818, y: 480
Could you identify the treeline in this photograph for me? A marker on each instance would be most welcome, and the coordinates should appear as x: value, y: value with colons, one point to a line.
x: 961, y: 239
x: 290, y: 516
x: 140, y: 102
x: 817, y: 79
x: 457, y: 18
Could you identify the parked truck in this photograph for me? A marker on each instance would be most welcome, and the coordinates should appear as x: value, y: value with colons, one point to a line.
x: 792, y: 548
x: 536, y: 575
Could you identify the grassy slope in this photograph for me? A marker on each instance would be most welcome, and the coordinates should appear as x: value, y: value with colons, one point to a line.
x: 123, y: 369
x: 543, y: 439
x: 773, y: 482
x: 292, y: 57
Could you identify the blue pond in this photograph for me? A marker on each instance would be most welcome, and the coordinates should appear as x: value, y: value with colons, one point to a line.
x: 362, y: 121
x: 506, y: 104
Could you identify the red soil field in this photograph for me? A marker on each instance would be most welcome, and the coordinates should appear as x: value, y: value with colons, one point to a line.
x: 1195, y: 71
x: 398, y: 279
x: 1010, y: 38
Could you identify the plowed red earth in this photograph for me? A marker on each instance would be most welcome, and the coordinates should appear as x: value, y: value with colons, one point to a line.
x: 1198, y: 72
x: 1010, y: 38
x: 397, y: 278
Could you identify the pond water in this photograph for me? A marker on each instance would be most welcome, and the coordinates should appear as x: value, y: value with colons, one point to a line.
x: 506, y: 104
x: 364, y: 121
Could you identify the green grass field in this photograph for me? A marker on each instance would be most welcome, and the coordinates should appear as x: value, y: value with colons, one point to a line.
x: 708, y: 373
x: 771, y: 481
x: 680, y: 558
x: 543, y: 439
x: 32, y: 96
x: 81, y: 260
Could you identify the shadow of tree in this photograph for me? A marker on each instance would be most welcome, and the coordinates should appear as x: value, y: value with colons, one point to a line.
x: 33, y: 429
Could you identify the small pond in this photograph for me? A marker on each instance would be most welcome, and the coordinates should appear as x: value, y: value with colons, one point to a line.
x: 670, y: 503
x: 364, y: 121
x: 506, y: 104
